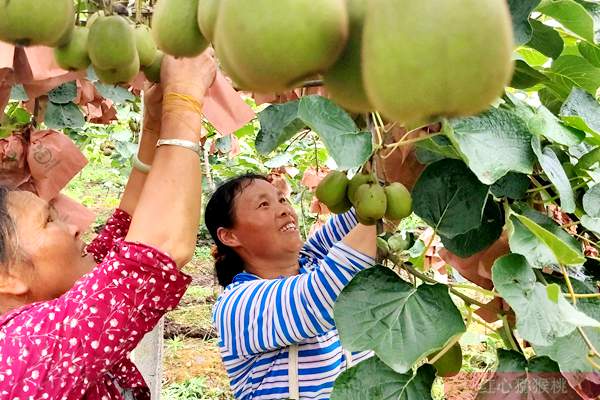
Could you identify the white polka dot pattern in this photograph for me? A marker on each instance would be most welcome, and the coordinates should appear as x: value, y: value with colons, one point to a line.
x: 77, y: 346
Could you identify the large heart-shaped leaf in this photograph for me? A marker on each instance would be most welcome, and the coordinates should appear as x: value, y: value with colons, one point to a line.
x: 539, y: 320
x: 450, y: 198
x: 518, y: 378
x: 379, y: 311
x: 496, y: 129
x: 556, y: 173
x: 546, y: 240
x: 373, y: 380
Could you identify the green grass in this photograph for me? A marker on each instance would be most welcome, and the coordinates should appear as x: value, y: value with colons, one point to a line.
x: 194, y: 389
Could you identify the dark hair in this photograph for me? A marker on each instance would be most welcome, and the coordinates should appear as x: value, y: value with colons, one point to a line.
x: 220, y: 213
x: 7, y: 232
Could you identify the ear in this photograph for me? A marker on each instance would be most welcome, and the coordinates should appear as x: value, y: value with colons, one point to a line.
x: 228, y: 238
x: 12, y: 285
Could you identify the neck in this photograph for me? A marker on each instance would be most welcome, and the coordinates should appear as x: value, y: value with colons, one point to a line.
x: 273, y: 269
x: 10, y: 303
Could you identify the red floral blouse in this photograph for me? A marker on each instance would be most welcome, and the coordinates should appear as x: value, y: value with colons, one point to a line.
x: 77, y: 346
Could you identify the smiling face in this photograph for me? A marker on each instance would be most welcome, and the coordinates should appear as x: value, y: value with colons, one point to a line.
x: 52, y: 249
x: 266, y: 226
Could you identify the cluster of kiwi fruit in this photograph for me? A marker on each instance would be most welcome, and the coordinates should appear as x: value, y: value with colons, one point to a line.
x: 116, y: 47
x: 409, y: 59
x: 371, y: 201
x: 412, y: 60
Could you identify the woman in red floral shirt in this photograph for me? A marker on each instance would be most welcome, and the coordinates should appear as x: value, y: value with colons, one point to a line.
x: 69, y: 318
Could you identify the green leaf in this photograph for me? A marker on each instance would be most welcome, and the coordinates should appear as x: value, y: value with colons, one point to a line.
x: 545, y: 124
x: 539, y: 320
x: 379, y: 311
x: 450, y: 198
x: 581, y: 111
x: 17, y: 93
x: 571, y: 352
x: 553, y: 292
x: 546, y: 39
x: 512, y: 185
x: 538, y: 252
x: 64, y: 93
x: 573, y: 16
x: 520, y: 11
x: 278, y: 124
x: 478, y: 239
x: 525, y: 76
x: 591, y: 224
x: 550, y: 99
x: 496, y: 129
x: 590, y: 52
x: 519, y: 378
x: 591, y: 201
x: 346, y: 144
x: 435, y: 149
x: 60, y: 116
x: 565, y: 248
x: 570, y: 71
x: 117, y: 94
x: 373, y: 380
x: 556, y: 173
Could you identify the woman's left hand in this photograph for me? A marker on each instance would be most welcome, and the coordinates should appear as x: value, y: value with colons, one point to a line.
x: 153, y: 97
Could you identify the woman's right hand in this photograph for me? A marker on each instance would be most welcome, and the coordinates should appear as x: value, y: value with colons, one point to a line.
x: 185, y: 78
x: 191, y: 76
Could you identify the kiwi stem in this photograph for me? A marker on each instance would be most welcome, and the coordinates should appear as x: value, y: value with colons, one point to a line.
x: 400, y: 143
x: 509, y: 334
x: 138, y: 11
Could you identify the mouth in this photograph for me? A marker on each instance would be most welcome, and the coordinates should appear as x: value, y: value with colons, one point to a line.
x: 289, y: 227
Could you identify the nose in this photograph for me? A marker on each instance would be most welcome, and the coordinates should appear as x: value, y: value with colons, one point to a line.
x: 74, y: 230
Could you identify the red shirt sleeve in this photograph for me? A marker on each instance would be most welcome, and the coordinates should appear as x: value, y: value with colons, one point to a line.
x: 116, y: 227
x: 63, y: 347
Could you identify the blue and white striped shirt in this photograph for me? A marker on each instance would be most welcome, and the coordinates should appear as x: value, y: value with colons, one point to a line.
x: 257, y: 319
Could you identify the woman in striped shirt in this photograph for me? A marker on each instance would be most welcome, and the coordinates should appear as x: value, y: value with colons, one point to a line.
x: 275, y: 318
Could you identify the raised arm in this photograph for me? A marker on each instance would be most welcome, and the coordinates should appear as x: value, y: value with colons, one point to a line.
x: 168, y: 210
x: 334, y: 230
x: 264, y: 315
